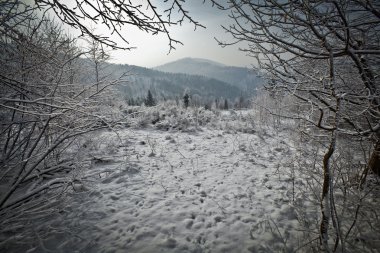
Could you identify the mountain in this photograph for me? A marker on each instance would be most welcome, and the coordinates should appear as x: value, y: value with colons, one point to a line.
x: 170, y: 85
x: 240, y: 83
x: 243, y: 78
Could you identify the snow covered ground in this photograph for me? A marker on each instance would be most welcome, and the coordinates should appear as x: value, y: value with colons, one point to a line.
x: 171, y: 191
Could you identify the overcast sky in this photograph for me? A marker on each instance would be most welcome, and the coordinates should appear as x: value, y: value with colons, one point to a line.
x: 152, y: 50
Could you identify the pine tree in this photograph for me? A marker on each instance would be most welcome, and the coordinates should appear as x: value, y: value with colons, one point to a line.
x: 186, y: 100
x: 131, y: 102
x: 149, y: 101
x: 225, y: 104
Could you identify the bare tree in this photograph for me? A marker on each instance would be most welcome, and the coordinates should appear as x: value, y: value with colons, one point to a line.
x: 316, y: 46
x: 42, y: 107
x: 98, y: 56
x: 41, y: 100
x: 326, y: 54
x: 116, y: 15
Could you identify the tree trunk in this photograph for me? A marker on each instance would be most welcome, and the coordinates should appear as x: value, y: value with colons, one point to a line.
x: 325, y: 201
x: 374, y: 161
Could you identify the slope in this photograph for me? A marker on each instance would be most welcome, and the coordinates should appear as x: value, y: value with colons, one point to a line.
x: 243, y: 78
x: 169, y: 85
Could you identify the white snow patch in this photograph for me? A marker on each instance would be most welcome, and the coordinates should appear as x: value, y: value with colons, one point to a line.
x: 206, y: 191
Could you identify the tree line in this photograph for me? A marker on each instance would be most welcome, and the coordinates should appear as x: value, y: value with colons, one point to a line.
x: 193, y: 101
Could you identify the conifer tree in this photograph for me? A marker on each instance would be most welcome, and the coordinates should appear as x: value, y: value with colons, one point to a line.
x: 225, y: 104
x: 131, y: 102
x: 149, y: 101
x: 186, y: 100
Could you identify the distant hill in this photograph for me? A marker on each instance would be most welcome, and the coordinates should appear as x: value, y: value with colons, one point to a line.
x: 239, y: 82
x: 243, y: 78
x: 169, y: 85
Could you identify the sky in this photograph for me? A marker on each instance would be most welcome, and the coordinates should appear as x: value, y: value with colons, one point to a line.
x: 153, y: 50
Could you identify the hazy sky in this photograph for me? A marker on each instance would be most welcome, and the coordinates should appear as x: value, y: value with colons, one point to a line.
x: 153, y: 49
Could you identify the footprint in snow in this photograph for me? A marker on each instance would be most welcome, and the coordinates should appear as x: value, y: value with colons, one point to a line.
x: 170, y: 243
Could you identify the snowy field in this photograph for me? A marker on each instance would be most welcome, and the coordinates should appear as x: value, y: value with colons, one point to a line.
x: 193, y: 181
x: 149, y: 190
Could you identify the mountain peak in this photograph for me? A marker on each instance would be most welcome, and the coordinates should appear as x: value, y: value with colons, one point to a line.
x: 191, y: 66
x: 200, y: 60
x: 188, y: 61
x: 236, y: 76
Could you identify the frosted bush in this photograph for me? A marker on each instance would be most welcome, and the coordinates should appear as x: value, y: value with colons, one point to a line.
x: 168, y: 116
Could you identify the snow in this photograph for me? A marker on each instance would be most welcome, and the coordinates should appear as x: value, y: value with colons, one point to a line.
x: 202, y: 191
x: 195, y: 181
x: 170, y: 191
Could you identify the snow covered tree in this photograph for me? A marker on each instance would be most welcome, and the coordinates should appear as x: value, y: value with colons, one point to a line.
x: 318, y: 50
x: 326, y: 55
x: 131, y: 102
x: 225, y: 104
x: 186, y: 100
x: 43, y: 107
x: 216, y: 104
x: 117, y: 15
x: 150, y: 101
x: 196, y: 100
x: 98, y: 57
